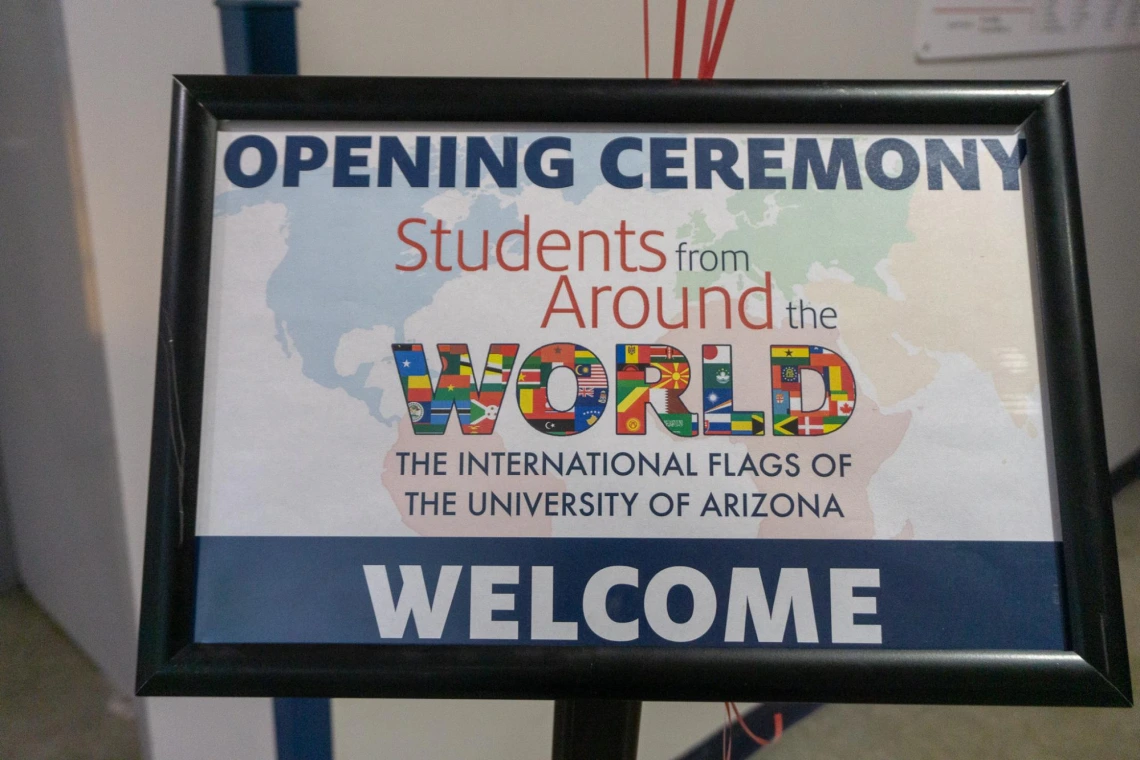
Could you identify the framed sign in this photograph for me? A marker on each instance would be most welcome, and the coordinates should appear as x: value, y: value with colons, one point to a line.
x: 637, y: 390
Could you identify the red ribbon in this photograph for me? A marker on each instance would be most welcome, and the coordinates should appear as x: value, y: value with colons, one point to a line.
x: 706, y: 43
x: 645, y: 27
x: 708, y: 66
x: 679, y: 40
x: 710, y: 46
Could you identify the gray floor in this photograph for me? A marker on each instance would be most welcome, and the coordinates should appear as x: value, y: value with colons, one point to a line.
x: 54, y: 704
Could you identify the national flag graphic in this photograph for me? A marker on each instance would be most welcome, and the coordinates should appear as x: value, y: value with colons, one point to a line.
x: 811, y: 425
x: 780, y: 402
x: 787, y: 393
x: 717, y: 373
x: 630, y: 354
x: 429, y: 408
x: 724, y: 406
x: 663, y: 353
x: 635, y: 393
x: 717, y: 354
x: 591, y: 375
x: 674, y: 375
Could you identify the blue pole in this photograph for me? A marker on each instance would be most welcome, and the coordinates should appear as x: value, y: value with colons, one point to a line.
x: 304, y: 728
x: 259, y: 36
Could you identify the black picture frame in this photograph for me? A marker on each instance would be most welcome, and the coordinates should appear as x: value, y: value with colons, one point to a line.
x: 1094, y: 670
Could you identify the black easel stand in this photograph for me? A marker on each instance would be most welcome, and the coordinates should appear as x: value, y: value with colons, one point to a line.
x: 595, y: 729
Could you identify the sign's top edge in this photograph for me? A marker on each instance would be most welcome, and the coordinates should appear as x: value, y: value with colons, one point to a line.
x: 932, y: 84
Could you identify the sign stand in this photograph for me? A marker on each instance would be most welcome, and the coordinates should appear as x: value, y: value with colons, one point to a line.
x: 595, y: 729
x: 216, y: 570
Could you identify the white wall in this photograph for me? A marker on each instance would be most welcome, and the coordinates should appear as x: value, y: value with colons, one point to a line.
x: 806, y: 38
x: 122, y: 55
x: 57, y: 451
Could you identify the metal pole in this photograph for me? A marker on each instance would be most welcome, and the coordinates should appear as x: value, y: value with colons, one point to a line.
x: 259, y: 36
x: 595, y: 729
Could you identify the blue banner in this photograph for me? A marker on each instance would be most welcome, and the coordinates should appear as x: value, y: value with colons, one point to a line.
x: 629, y: 592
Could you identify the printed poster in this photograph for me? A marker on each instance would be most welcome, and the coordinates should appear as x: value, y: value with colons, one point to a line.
x: 533, y: 385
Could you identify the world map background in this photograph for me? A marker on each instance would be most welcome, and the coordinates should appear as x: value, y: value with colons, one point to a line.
x: 304, y: 413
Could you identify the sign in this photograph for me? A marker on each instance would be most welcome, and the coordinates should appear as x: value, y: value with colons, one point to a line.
x: 949, y: 29
x: 568, y: 387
